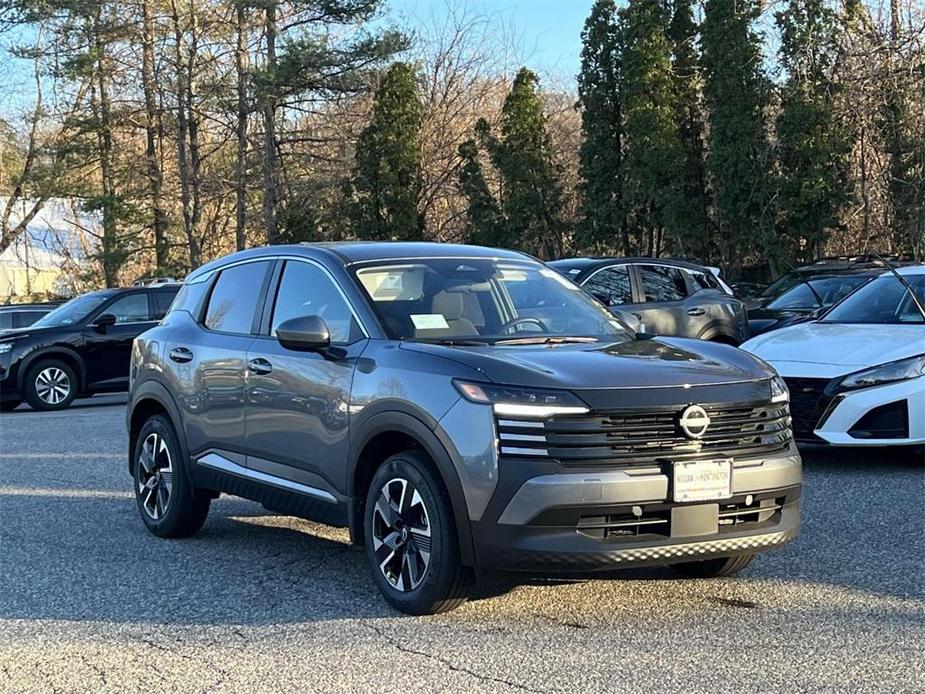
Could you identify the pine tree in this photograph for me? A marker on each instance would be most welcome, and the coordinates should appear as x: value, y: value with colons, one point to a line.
x: 387, y: 181
x: 600, y: 165
x: 653, y: 150
x: 694, y: 235
x: 736, y: 94
x: 484, y: 222
x: 813, y: 144
x: 530, y: 193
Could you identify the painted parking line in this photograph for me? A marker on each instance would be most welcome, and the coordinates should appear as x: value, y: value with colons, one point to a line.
x: 52, y: 454
x: 64, y: 492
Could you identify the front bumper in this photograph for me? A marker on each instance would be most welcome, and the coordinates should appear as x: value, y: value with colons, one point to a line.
x: 553, y: 522
x: 839, y: 425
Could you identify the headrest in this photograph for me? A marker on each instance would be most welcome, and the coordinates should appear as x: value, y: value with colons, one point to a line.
x: 448, y: 303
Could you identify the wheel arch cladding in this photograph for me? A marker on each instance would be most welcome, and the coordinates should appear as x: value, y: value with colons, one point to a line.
x: 64, y: 354
x: 386, y: 434
x: 150, y: 399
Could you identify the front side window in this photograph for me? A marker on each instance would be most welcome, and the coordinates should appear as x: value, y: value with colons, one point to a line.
x: 305, y: 290
x: 233, y: 302
x: 611, y: 286
x: 131, y: 308
x: 885, y: 300
x: 482, y: 300
x: 662, y: 283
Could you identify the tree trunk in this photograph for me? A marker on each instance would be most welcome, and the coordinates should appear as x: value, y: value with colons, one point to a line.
x: 270, y: 158
x: 193, y: 131
x: 152, y: 120
x: 240, y: 189
x: 109, y: 246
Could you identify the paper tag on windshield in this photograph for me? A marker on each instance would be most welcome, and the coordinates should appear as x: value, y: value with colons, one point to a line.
x: 429, y: 321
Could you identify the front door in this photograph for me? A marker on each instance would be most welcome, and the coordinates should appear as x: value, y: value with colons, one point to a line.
x: 298, y: 403
x: 108, y: 349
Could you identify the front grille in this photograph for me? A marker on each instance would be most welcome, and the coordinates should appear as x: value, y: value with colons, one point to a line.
x: 808, y: 402
x: 645, y: 436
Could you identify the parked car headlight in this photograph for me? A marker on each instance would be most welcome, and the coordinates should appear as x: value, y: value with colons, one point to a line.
x: 514, y: 401
x: 901, y: 370
x: 6, y: 347
x: 779, y: 390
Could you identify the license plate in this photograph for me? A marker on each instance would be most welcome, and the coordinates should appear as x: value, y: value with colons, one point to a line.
x: 702, y: 480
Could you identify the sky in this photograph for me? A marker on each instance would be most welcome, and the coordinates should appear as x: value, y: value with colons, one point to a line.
x: 549, y: 30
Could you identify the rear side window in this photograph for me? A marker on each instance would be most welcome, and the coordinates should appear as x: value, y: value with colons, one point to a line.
x: 6, y: 320
x: 305, y: 290
x: 233, y: 303
x: 131, y: 308
x: 23, y: 319
x: 662, y: 283
x: 704, y: 280
x: 611, y: 286
x: 161, y: 301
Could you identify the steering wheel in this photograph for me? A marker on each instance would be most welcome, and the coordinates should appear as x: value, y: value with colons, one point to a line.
x: 524, y: 319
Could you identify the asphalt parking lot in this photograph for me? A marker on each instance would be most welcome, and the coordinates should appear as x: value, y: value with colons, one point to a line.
x: 256, y: 602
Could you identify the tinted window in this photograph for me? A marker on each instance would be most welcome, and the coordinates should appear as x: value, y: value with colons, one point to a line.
x: 885, y: 300
x: 233, y: 303
x: 23, y: 319
x: 662, y: 283
x: 131, y: 308
x: 704, y: 280
x: 305, y: 290
x: 161, y: 301
x: 6, y: 320
x: 612, y: 286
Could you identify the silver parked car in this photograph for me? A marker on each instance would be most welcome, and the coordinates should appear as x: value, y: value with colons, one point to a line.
x: 662, y: 297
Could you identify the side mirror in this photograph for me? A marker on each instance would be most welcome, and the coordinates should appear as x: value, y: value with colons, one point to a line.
x: 104, y: 321
x: 304, y: 334
x: 630, y: 320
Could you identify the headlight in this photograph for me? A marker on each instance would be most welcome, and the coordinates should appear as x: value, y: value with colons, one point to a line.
x: 901, y: 370
x: 513, y: 401
x: 779, y: 390
x: 5, y: 347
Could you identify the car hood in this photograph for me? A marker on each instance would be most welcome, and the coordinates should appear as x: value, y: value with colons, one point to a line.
x: 839, y: 346
x: 19, y: 333
x: 630, y: 364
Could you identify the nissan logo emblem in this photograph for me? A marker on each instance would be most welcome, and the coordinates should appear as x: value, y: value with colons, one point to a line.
x: 694, y: 421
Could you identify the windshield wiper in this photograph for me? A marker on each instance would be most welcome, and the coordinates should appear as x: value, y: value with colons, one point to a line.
x: 453, y: 341
x: 546, y: 340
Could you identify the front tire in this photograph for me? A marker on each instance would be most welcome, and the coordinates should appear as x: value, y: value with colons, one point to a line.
x: 168, y: 503
x: 714, y: 568
x: 411, y: 540
x: 50, y: 385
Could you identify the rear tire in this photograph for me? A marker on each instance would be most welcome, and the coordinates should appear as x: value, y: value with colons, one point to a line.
x: 50, y: 385
x: 168, y: 503
x: 9, y: 405
x: 411, y: 539
x: 714, y: 568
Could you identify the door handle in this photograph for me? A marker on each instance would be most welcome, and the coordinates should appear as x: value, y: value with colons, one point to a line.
x: 259, y: 366
x: 181, y: 355
x: 695, y: 311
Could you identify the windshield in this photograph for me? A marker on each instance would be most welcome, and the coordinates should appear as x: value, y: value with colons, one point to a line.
x: 483, y: 300
x: 72, y: 312
x: 885, y: 300
x: 780, y: 285
x: 830, y: 289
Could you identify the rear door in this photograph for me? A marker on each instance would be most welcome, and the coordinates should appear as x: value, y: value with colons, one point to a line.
x: 298, y: 402
x: 211, y: 360
x: 666, y: 310
x: 108, y: 349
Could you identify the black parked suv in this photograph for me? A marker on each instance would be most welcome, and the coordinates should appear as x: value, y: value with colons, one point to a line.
x: 458, y: 409
x: 80, y: 348
x: 666, y: 297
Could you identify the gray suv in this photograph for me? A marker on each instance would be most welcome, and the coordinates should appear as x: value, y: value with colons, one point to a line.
x: 460, y: 410
x: 662, y: 297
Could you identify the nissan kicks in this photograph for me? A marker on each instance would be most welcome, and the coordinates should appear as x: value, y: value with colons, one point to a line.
x: 461, y: 410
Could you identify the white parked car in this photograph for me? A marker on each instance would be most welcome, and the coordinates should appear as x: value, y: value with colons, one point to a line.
x: 857, y: 375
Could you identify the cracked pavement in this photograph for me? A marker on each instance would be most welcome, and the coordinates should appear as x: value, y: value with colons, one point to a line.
x: 264, y: 603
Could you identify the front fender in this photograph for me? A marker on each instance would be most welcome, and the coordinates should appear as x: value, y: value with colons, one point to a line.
x: 51, y: 351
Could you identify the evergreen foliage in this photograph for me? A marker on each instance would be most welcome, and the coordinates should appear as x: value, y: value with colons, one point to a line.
x: 387, y: 182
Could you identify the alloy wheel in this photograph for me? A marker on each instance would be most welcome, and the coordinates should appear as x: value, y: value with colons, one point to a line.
x: 155, y: 476
x: 401, y: 534
x: 52, y: 385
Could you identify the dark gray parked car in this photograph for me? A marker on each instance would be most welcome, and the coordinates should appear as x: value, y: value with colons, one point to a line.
x: 460, y: 410
x: 666, y: 297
